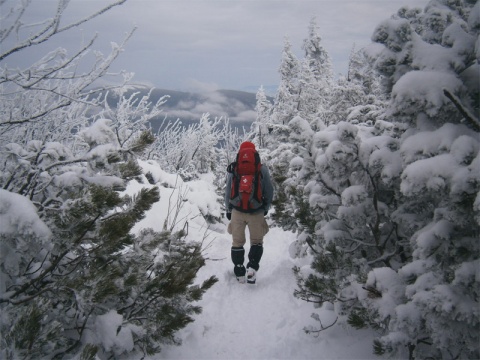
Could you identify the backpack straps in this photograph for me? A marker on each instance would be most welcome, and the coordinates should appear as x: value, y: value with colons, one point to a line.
x: 231, y: 167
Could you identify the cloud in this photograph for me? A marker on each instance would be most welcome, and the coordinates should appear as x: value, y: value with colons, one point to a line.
x: 195, y: 85
x: 245, y: 116
x: 220, y: 43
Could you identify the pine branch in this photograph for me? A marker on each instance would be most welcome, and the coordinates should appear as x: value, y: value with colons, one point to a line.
x: 328, y: 187
x: 50, y: 269
x: 322, y: 328
x: 372, y: 292
x: 469, y: 117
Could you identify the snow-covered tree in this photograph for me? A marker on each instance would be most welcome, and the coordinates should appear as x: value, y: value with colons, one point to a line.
x: 130, y: 113
x: 348, y: 207
x: 291, y: 142
x: 309, y: 97
x: 391, y: 211
x: 286, y: 97
x: 74, y: 280
x: 34, y: 98
x: 208, y: 137
x: 188, y: 150
x: 358, y: 97
x: 433, y: 63
x: 316, y: 79
x: 317, y: 57
x: 263, y: 110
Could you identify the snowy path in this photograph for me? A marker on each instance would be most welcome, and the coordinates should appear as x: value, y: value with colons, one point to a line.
x: 262, y: 321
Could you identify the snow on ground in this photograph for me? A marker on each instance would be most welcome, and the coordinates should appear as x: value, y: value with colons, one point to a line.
x: 261, y: 321
x: 243, y: 321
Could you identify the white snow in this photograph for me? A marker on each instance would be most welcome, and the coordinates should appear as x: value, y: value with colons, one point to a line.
x: 262, y: 321
x: 427, y: 143
x: 181, y: 206
x: 425, y: 89
x: 296, y: 163
x: 354, y: 195
x: 19, y: 216
x: 112, y: 335
x: 388, y: 282
x: 468, y: 273
x: 431, y: 174
x: 301, y: 129
x: 104, y: 180
x: 99, y: 133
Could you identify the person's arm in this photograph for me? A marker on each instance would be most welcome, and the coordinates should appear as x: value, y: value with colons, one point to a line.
x: 228, y: 189
x: 267, y: 188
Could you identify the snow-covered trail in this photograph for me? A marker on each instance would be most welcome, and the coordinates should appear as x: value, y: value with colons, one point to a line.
x: 243, y: 321
x: 261, y: 321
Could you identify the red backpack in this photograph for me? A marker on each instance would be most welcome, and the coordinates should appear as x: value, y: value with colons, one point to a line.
x: 246, y: 191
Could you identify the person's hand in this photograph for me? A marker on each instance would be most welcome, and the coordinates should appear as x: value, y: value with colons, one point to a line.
x: 229, y: 216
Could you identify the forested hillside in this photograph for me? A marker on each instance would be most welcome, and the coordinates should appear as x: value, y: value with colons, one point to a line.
x: 376, y: 178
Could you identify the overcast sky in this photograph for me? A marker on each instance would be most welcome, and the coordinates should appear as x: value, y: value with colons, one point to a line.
x: 228, y: 44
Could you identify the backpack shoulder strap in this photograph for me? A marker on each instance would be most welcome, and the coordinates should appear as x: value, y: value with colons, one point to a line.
x: 231, y: 167
x: 257, y: 160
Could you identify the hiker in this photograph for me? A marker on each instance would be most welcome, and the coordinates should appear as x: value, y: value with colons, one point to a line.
x: 248, y: 196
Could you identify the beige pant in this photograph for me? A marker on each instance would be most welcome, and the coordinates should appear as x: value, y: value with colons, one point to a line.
x: 257, y: 227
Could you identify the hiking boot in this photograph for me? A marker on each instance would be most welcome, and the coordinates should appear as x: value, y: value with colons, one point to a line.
x: 241, y: 279
x: 251, y: 276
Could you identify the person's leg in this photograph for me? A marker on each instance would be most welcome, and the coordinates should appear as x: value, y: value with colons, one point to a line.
x: 254, y: 256
x: 238, y: 241
x: 257, y: 228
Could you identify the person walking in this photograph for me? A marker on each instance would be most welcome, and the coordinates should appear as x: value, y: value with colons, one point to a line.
x: 248, y: 197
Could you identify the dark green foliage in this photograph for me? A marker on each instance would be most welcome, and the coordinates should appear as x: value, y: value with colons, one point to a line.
x: 328, y: 262
x: 27, y: 328
x: 160, y: 303
x: 89, y: 352
x: 145, y: 139
x: 378, y: 348
x: 99, y: 265
x: 280, y: 200
x: 103, y: 198
x: 304, y: 213
x: 279, y: 204
x: 118, y: 225
x: 150, y: 178
x: 356, y: 320
x: 130, y: 170
x: 31, y: 334
x: 283, y: 199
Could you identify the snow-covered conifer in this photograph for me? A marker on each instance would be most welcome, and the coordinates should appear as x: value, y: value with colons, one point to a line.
x: 358, y: 97
x: 263, y: 109
x: 286, y: 97
x: 432, y: 61
x: 317, y: 57
x: 393, y: 207
x: 315, y: 80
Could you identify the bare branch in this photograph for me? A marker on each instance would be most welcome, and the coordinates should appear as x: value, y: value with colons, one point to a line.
x: 52, y: 27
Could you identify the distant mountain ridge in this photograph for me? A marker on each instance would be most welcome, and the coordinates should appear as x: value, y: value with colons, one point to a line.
x: 188, y: 107
x: 270, y: 90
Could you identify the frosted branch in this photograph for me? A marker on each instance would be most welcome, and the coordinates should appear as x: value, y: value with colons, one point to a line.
x: 469, y: 117
x: 51, y: 28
